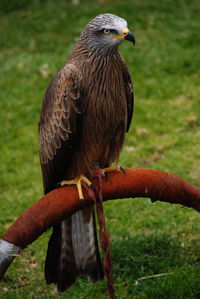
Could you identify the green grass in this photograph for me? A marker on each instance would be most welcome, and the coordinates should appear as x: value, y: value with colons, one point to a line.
x: 146, y: 239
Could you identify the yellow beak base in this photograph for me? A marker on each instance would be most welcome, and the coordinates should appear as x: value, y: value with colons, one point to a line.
x: 125, y: 31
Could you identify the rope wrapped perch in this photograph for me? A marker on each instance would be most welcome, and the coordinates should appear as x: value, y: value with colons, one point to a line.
x: 60, y: 203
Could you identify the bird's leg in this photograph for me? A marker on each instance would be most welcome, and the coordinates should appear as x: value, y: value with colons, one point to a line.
x: 104, y: 172
x: 77, y: 182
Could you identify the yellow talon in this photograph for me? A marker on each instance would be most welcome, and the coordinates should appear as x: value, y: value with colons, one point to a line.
x: 77, y: 182
x: 84, y: 179
x: 109, y: 169
x: 104, y: 172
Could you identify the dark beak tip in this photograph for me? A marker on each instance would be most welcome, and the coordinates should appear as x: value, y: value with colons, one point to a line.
x: 130, y: 37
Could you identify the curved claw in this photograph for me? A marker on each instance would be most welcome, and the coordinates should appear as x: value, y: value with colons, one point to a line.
x: 82, y: 200
x: 59, y: 185
x: 122, y: 169
x: 93, y: 188
x: 106, y: 176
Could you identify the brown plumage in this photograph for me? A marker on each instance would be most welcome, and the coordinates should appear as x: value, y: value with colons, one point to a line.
x: 87, y: 109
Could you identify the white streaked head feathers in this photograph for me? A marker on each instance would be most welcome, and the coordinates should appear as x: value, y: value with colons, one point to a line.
x: 94, y: 35
x: 108, y: 21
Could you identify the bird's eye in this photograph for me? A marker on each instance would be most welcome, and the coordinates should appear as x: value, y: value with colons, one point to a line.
x: 106, y: 31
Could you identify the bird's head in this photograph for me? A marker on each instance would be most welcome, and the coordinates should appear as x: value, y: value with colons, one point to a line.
x: 105, y: 32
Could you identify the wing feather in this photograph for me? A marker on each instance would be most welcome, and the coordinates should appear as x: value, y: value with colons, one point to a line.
x: 59, y: 123
x: 129, y: 92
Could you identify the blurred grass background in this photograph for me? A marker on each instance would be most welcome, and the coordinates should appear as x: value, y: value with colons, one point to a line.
x: 36, y: 38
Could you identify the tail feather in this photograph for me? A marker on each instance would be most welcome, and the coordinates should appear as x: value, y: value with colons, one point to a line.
x: 53, y: 253
x: 67, y: 264
x: 60, y: 267
x: 73, y: 251
x: 85, y: 246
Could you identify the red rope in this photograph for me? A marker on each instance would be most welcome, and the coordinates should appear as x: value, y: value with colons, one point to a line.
x: 104, y: 237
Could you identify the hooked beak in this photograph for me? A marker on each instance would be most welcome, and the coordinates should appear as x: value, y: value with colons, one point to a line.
x: 127, y: 35
x: 130, y: 37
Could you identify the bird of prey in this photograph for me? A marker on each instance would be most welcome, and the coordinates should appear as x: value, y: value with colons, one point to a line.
x: 86, y: 111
